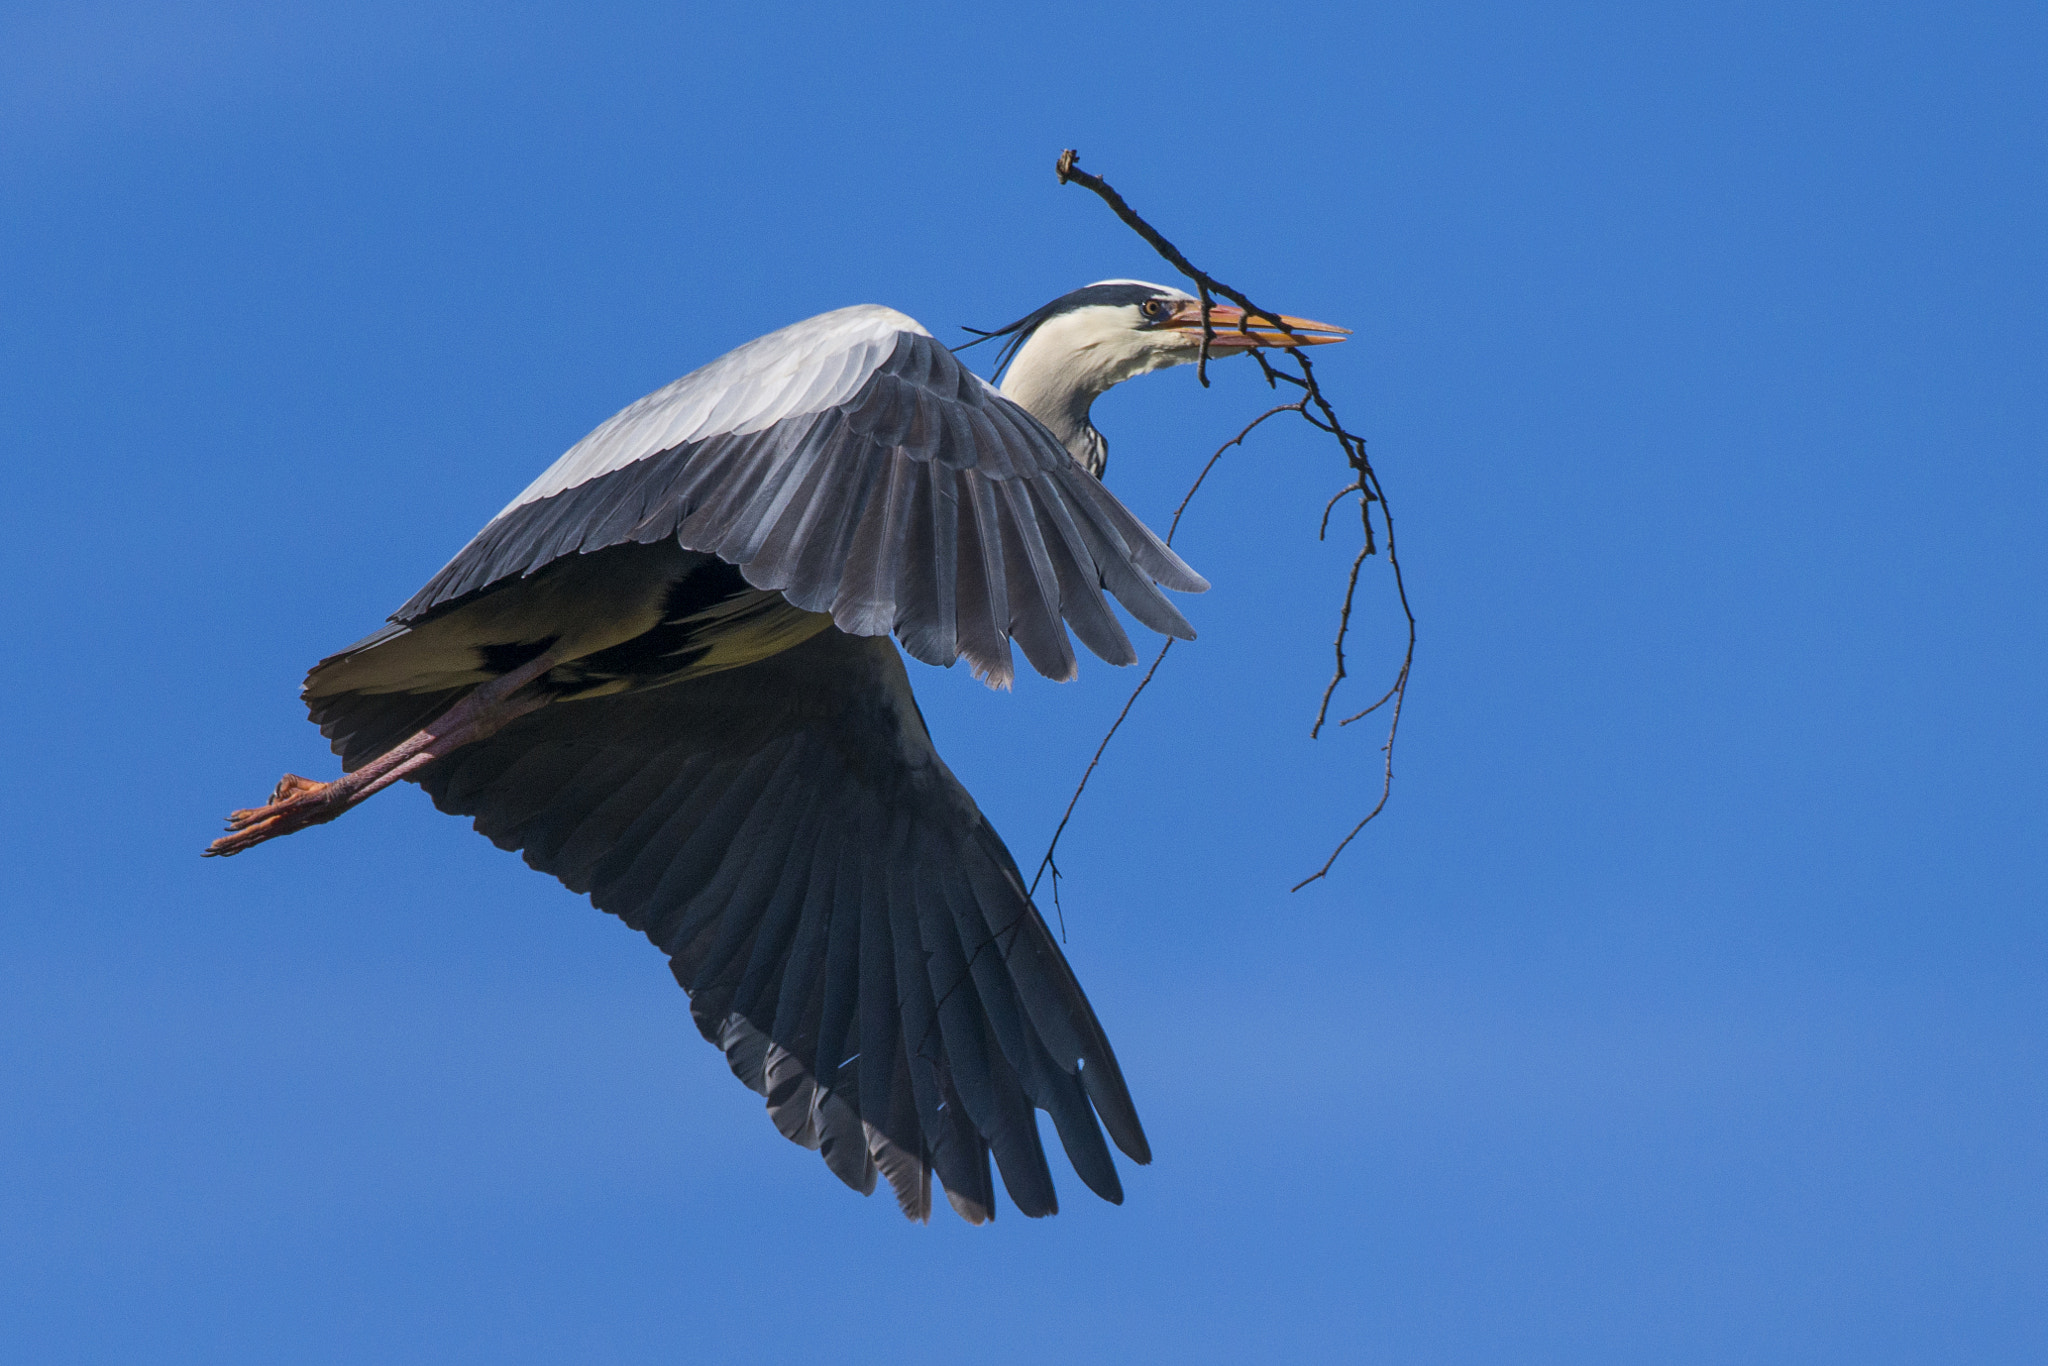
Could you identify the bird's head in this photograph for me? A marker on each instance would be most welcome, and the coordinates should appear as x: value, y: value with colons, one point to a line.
x: 1064, y: 356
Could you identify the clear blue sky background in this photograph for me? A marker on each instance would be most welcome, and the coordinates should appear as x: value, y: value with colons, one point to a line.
x: 1687, y: 1005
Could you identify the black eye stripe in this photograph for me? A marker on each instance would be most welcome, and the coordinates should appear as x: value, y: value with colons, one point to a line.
x: 1110, y: 294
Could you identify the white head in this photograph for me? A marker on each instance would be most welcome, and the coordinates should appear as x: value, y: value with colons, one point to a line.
x: 1068, y: 353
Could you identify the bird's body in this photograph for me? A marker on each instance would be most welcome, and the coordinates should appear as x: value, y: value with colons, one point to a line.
x: 663, y: 674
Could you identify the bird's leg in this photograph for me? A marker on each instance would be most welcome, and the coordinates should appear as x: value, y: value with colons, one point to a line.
x: 299, y: 802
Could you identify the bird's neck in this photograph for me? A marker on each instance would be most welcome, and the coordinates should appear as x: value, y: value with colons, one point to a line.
x: 1059, y: 373
x: 1059, y: 398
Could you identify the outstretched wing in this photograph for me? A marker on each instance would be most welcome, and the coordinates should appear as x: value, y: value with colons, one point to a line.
x: 853, y: 464
x: 850, y: 930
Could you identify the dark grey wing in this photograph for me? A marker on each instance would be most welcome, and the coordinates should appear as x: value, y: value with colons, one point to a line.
x: 859, y: 469
x: 850, y: 930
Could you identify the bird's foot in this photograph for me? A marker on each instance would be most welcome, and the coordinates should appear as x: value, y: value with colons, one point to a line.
x: 295, y: 803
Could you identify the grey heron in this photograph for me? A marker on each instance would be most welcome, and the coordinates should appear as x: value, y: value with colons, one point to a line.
x: 663, y: 673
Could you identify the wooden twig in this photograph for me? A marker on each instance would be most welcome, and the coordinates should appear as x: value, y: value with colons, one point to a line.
x: 1323, y: 527
x: 1072, y: 801
x: 1315, y: 408
x: 1237, y: 440
x: 1143, y: 683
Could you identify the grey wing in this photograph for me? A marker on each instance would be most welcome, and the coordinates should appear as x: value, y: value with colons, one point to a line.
x: 854, y: 465
x: 850, y: 930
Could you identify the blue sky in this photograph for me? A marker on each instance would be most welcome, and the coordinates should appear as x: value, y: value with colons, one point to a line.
x: 1687, y: 1004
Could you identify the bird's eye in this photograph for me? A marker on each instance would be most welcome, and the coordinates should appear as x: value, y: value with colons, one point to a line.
x: 1153, y: 309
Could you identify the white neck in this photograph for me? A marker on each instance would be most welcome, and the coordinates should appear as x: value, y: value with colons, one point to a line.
x: 1068, y: 363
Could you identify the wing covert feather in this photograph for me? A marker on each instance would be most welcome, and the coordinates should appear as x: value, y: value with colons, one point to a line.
x: 811, y: 477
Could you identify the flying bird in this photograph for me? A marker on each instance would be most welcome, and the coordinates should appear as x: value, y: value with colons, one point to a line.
x: 664, y: 674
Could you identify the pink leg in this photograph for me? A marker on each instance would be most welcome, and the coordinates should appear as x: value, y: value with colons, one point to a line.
x: 299, y: 802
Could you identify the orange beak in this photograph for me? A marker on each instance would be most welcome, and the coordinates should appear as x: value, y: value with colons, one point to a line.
x: 1232, y: 329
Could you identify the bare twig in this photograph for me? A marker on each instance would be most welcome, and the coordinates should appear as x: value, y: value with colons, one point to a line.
x: 1234, y: 441
x: 1068, y: 814
x: 1068, y: 169
x: 1316, y: 409
x: 1343, y: 629
x: 1129, y: 702
x: 1323, y: 527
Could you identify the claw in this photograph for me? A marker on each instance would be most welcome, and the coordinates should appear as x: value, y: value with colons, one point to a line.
x: 295, y: 803
x: 292, y: 785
